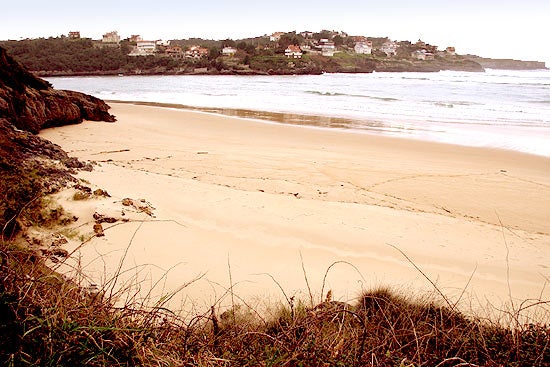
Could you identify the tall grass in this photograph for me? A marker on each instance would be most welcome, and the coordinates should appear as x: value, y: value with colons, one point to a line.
x: 48, y: 320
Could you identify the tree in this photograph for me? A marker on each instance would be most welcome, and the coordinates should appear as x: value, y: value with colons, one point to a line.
x: 250, y: 49
x: 289, y: 39
x: 323, y: 34
x: 213, y: 53
x: 228, y: 43
x: 349, y: 41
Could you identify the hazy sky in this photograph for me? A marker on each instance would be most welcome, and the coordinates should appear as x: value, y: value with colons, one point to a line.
x: 507, y: 29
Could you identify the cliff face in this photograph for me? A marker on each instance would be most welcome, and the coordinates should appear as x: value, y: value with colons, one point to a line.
x: 29, y: 165
x: 428, y: 66
x: 31, y: 104
x: 508, y: 64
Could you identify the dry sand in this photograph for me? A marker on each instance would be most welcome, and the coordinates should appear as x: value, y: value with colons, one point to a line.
x: 237, y: 199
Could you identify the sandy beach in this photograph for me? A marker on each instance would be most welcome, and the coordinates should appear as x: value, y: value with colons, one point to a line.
x: 235, y: 200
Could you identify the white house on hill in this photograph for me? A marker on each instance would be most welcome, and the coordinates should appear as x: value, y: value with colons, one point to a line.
x: 422, y: 55
x: 293, y: 51
x: 389, y: 48
x: 229, y: 51
x: 144, y: 48
x: 327, y: 47
x: 111, y: 37
x: 363, y: 48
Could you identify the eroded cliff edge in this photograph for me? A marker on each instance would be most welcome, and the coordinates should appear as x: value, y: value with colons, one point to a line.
x: 31, y: 166
x: 30, y: 103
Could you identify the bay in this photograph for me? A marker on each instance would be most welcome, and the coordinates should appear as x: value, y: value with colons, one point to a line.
x: 498, y: 108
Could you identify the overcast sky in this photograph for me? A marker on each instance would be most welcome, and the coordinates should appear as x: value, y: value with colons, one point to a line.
x: 505, y: 29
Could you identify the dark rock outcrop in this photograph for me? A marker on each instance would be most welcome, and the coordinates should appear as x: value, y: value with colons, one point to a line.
x: 31, y: 103
x: 31, y: 166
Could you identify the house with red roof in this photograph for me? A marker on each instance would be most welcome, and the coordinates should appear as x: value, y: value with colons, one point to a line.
x: 293, y: 51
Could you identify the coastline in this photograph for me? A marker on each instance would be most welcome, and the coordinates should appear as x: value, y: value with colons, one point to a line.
x: 333, y: 123
x: 237, y: 196
x: 388, y: 104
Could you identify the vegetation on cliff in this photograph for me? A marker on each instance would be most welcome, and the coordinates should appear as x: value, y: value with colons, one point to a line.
x: 48, y: 320
x: 65, y: 56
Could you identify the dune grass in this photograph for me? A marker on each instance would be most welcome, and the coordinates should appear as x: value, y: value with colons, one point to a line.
x: 48, y: 320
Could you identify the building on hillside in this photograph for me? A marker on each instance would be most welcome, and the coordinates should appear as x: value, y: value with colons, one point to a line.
x: 196, y: 52
x: 111, y: 37
x: 364, y: 48
x: 419, y: 54
x: 144, y: 48
x: 389, y: 48
x: 307, y: 34
x: 134, y: 38
x: 293, y: 51
x: 422, y: 55
x: 175, y: 52
x: 163, y: 43
x: 275, y: 37
x: 74, y: 35
x: 327, y: 47
x: 229, y: 51
x: 450, y: 50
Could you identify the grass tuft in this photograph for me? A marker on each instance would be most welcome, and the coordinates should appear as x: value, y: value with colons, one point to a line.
x: 48, y: 320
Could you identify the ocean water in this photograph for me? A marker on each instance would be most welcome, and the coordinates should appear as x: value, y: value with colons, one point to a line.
x: 500, y: 109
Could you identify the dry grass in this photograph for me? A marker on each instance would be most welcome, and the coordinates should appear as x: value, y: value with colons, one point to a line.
x: 47, y: 320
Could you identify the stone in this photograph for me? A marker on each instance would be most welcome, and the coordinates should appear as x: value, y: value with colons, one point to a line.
x: 101, y: 192
x: 98, y: 230
x: 59, y: 252
x: 127, y: 202
x: 100, y: 218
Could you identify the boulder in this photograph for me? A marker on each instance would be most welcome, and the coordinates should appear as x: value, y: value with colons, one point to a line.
x: 31, y: 104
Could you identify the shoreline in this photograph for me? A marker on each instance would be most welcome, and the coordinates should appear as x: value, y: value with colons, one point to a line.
x: 241, y: 197
x: 115, y: 73
x: 342, y: 124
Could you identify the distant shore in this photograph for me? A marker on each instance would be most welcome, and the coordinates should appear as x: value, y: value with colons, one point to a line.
x: 270, y: 198
x: 325, y: 52
x: 387, y: 67
x: 470, y: 64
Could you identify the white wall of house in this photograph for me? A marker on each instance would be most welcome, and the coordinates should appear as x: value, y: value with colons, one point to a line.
x: 363, y: 48
x: 229, y: 51
x: 144, y: 48
x: 389, y: 48
x: 111, y: 37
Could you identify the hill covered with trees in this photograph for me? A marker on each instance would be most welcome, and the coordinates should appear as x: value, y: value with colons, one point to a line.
x: 260, y: 55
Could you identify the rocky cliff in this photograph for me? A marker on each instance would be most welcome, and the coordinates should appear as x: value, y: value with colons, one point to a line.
x: 507, y: 64
x: 29, y: 165
x: 31, y: 104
